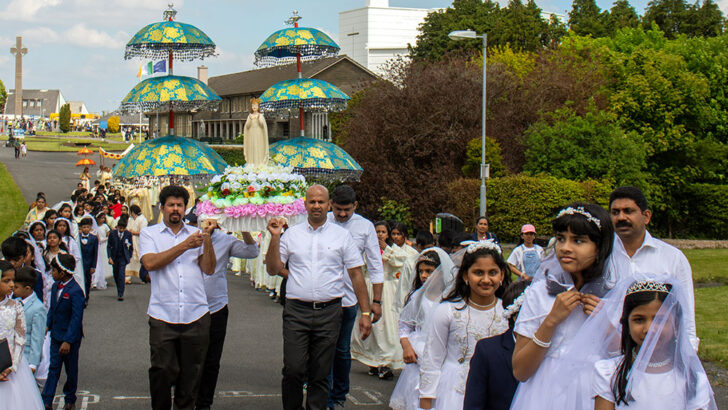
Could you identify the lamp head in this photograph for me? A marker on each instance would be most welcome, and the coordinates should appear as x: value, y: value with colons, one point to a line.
x: 462, y: 35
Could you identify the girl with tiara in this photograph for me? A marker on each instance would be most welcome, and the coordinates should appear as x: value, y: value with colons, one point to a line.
x: 37, y: 232
x: 555, y: 306
x: 18, y: 389
x: 430, y: 265
x: 657, y: 368
x: 470, y: 312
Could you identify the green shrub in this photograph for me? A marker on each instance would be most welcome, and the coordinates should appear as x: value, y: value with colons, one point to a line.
x: 232, y: 155
x: 707, y: 206
x: 391, y: 209
x: 64, y: 118
x: 520, y: 199
x: 493, y: 157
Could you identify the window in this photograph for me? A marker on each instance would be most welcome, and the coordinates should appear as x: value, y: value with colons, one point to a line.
x: 286, y: 127
x: 25, y: 103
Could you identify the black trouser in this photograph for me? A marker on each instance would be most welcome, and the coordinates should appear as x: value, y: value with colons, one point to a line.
x: 88, y: 277
x: 177, y: 355
x: 119, y: 269
x: 211, y: 369
x: 309, y: 345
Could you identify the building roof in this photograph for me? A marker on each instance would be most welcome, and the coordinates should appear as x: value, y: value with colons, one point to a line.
x: 124, y: 118
x: 78, y: 107
x: 257, y: 81
x: 51, y: 101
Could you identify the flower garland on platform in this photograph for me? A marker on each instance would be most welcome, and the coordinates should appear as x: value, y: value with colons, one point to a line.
x: 254, y: 192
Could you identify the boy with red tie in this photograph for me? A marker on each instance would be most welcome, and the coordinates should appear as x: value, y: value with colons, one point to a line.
x: 65, y: 322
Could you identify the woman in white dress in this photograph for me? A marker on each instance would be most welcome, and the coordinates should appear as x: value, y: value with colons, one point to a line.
x: 427, y: 292
x: 102, y: 262
x: 137, y: 222
x: 564, y: 292
x: 657, y: 368
x: 18, y: 389
x: 470, y: 312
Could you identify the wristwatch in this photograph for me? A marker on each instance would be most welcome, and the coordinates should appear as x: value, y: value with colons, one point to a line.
x: 378, y: 302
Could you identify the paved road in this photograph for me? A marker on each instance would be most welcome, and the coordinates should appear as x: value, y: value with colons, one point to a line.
x: 115, y: 350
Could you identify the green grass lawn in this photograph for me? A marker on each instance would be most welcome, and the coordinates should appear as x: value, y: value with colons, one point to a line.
x: 712, y: 323
x: 48, y: 143
x: 12, y: 203
x: 709, y: 265
x: 116, y: 135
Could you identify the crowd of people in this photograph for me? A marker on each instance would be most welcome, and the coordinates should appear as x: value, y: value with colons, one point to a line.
x: 602, y: 318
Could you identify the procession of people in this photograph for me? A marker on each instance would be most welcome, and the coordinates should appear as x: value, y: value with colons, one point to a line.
x: 468, y: 327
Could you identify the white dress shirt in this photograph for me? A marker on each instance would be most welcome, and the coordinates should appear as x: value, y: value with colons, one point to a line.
x: 365, y: 239
x: 660, y: 258
x: 178, y: 289
x: 216, y: 284
x: 317, y: 260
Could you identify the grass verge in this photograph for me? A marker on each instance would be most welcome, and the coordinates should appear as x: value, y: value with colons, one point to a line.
x: 712, y: 324
x: 12, y: 203
x: 708, y: 265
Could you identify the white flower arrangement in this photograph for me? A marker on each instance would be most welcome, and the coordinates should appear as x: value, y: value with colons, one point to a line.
x: 514, y: 307
x: 486, y: 244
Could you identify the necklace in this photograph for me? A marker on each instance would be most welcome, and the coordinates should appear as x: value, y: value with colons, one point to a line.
x: 484, y: 307
x: 659, y: 364
x: 464, y: 350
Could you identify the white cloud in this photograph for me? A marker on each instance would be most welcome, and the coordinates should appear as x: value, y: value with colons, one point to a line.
x: 40, y: 35
x: 723, y: 5
x: 26, y: 10
x: 78, y: 35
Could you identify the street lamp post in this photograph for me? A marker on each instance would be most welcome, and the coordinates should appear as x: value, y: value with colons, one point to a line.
x: 484, y: 168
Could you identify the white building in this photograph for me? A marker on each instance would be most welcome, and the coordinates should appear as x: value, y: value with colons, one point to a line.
x: 376, y: 33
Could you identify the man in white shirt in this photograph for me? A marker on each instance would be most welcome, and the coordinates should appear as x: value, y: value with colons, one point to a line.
x: 636, y: 248
x: 225, y: 246
x: 176, y: 256
x: 343, y: 205
x: 317, y: 252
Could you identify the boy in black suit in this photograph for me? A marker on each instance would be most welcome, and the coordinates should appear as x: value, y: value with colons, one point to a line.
x: 119, y: 249
x: 65, y: 322
x: 89, y: 253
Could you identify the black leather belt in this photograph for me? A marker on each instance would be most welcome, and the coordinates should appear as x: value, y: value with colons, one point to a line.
x: 316, y: 305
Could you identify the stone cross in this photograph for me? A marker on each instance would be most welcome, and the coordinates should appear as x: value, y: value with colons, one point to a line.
x: 19, y: 51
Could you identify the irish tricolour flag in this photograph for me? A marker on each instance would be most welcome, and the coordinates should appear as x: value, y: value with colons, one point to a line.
x: 152, y: 67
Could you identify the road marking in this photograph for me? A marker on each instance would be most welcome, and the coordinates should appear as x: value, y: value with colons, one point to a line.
x: 84, y: 397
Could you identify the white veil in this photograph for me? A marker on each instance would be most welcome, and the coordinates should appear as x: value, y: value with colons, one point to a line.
x: 422, y: 303
x: 667, y: 343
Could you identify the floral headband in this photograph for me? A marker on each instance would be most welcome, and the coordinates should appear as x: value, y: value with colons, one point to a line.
x: 425, y: 258
x: 486, y: 244
x: 60, y: 265
x: 581, y: 211
x: 513, y: 308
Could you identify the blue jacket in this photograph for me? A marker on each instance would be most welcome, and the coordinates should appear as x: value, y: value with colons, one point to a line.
x: 491, y: 384
x: 65, y: 317
x: 488, y: 235
x: 89, y: 252
x: 35, y: 325
x: 119, y: 248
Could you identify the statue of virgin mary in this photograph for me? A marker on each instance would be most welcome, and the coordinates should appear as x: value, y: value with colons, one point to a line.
x: 255, y: 139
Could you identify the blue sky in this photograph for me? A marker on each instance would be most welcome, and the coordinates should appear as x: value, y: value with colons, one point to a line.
x: 77, y: 46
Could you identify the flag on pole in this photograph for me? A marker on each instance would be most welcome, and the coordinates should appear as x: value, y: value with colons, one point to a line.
x: 160, y: 66
x: 139, y: 73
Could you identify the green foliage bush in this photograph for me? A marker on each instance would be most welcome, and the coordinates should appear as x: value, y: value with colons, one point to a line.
x: 395, y: 210
x: 520, y: 199
x: 707, y: 206
x: 64, y: 118
x: 232, y: 155
x: 492, y: 156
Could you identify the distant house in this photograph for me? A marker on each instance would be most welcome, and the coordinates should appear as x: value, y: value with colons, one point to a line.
x: 237, y: 89
x: 78, y: 107
x: 36, y: 103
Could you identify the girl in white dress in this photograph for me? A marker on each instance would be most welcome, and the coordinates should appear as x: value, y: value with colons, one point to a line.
x: 412, y: 333
x: 401, y: 257
x: 470, y: 312
x: 102, y: 262
x: 657, y: 368
x: 564, y: 292
x: 63, y: 227
x: 18, y: 389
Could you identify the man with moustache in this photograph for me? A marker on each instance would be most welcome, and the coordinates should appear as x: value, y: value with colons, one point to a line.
x: 318, y: 252
x: 176, y: 256
x: 635, y: 250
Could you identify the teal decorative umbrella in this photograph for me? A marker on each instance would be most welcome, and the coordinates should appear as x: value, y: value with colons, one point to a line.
x: 311, y: 94
x: 170, y: 155
x: 316, y: 158
x: 170, y: 38
x: 286, y: 45
x: 185, y: 93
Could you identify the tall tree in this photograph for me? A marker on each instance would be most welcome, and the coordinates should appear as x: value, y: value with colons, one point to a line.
x: 3, y: 96
x: 621, y: 15
x: 587, y: 19
x: 706, y: 20
x: 671, y: 16
x: 522, y: 27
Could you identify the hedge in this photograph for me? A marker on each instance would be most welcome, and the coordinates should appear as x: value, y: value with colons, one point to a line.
x: 519, y: 199
x: 232, y: 155
x: 707, y: 206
